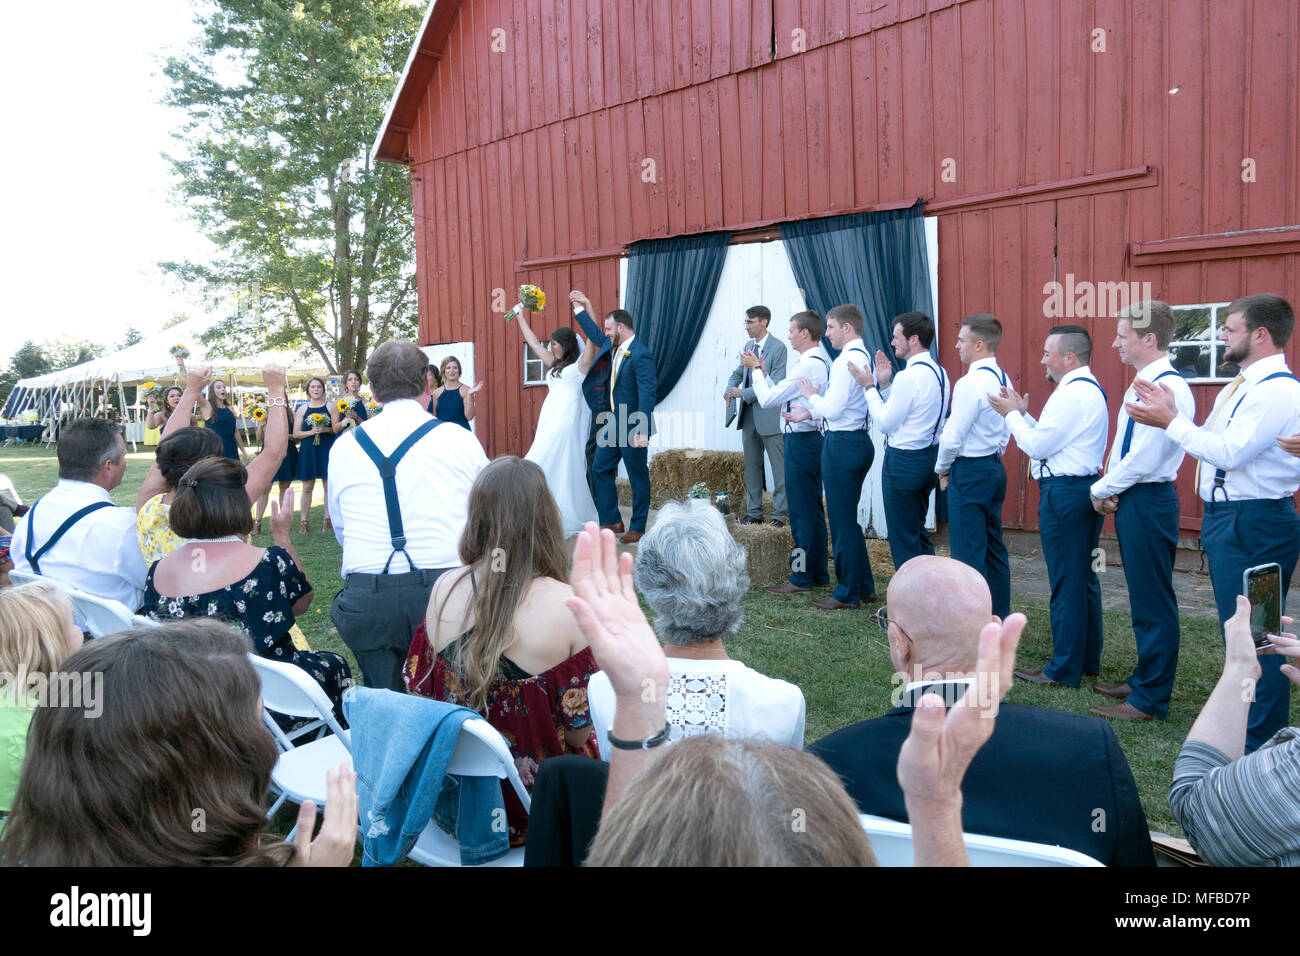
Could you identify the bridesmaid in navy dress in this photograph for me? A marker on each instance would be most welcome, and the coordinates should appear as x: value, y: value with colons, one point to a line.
x: 454, y: 401
x: 219, y: 417
x: 314, y: 447
x: 352, y: 385
x: 286, y: 474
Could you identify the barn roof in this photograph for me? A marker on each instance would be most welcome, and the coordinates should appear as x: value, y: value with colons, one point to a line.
x: 391, y: 143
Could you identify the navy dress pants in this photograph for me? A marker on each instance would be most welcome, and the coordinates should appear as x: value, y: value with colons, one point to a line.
x: 1070, y: 529
x: 846, y: 459
x: 1147, y: 524
x: 637, y: 462
x: 907, y: 481
x: 976, y: 490
x: 1237, y: 535
x: 803, y: 486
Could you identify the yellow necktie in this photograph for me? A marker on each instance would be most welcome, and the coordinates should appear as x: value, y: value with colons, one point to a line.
x: 1227, y: 394
x: 613, y: 375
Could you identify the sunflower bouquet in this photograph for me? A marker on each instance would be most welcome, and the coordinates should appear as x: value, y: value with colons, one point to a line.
x: 317, y: 420
x: 373, y: 406
x: 259, y: 413
x: 150, y: 390
x: 531, y: 298
x: 180, y: 352
x: 344, y: 405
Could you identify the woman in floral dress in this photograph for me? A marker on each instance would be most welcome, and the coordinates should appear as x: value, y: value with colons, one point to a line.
x: 498, y: 638
x: 215, y: 574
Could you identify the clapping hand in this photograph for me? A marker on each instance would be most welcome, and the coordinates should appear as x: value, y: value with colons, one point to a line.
x: 862, y: 376
x: 884, y: 369
x: 797, y: 414
x: 751, y: 360
x: 1290, y: 445
x: 1155, y: 405
x: 338, y: 834
x: 806, y: 388
x: 1007, y: 400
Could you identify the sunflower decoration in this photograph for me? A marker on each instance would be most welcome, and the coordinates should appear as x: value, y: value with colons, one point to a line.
x: 344, y: 406
x: 259, y: 413
x: 373, y: 406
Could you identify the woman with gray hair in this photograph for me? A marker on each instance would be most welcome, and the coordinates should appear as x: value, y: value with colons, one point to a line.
x: 692, y: 574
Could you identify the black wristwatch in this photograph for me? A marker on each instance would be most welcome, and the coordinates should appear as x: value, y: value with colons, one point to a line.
x: 619, y: 744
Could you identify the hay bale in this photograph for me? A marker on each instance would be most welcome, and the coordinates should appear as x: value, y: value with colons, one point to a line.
x: 767, y: 551
x: 624, y: 492
x: 882, y: 562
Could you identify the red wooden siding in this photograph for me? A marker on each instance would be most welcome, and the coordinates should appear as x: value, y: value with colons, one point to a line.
x: 527, y: 165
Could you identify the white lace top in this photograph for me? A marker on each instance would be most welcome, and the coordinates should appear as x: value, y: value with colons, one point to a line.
x: 713, y: 697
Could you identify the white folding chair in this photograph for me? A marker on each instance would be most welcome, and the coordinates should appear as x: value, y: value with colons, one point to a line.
x: 27, y: 577
x: 480, y: 752
x: 299, y: 773
x: 892, y: 843
x: 99, y: 616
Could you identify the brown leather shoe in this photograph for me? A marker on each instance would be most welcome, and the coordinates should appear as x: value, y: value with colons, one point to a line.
x: 869, y: 598
x: 1121, y: 711
x: 1037, y: 677
x: 1119, y: 691
x: 616, y: 528
x: 787, y: 588
x: 632, y: 537
x: 830, y: 604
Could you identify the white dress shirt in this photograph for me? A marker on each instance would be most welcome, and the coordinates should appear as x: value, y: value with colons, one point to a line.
x: 1244, y: 440
x: 100, y: 554
x: 433, y: 483
x: 813, y: 365
x: 1071, y: 435
x: 1152, y: 454
x: 911, y: 413
x: 713, y: 697
x: 844, y: 405
x: 974, y: 429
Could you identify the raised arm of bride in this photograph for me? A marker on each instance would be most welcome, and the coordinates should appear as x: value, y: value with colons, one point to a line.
x: 540, y: 350
x: 589, y: 352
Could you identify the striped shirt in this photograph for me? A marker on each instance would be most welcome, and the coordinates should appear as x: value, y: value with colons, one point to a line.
x: 1241, y: 812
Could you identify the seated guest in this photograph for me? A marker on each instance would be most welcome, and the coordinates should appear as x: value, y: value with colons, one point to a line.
x: 1045, y: 776
x: 182, y: 445
x: 215, y: 574
x: 713, y: 802
x: 398, y: 533
x: 497, y: 637
x: 11, y: 506
x: 171, y: 767
x: 36, y: 633
x: 1240, y: 810
x: 691, y: 573
x: 74, y: 533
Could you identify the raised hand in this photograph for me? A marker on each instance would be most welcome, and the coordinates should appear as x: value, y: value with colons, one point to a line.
x: 338, y: 834
x: 282, y: 517
x: 476, y: 388
x: 862, y: 376
x: 197, y: 379
x: 275, y: 378
x: 579, y: 299
x: 1155, y: 405
x: 884, y: 369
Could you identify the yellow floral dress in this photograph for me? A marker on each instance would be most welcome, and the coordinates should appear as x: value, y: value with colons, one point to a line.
x: 157, y: 540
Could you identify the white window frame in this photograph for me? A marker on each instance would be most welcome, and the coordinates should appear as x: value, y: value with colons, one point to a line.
x: 534, y: 369
x: 1216, y: 347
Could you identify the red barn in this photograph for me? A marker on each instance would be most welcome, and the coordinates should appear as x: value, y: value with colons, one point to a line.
x: 1087, y: 142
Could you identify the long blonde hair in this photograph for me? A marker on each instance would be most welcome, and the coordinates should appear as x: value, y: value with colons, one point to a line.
x: 711, y: 801
x: 33, y: 631
x: 512, y: 536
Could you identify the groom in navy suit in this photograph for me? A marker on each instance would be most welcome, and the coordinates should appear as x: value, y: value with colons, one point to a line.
x: 626, y: 418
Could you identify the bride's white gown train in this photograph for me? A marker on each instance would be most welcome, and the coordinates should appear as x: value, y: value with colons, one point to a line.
x: 560, y: 447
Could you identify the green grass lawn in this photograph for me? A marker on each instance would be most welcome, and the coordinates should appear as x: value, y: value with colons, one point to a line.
x: 841, y: 661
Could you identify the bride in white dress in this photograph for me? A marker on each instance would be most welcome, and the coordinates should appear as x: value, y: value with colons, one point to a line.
x: 560, y: 442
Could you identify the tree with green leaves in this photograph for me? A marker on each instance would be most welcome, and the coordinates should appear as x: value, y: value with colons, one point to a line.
x: 317, y: 243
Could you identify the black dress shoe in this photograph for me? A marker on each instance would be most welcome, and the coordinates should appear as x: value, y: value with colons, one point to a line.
x: 750, y: 519
x: 777, y: 523
x: 869, y: 598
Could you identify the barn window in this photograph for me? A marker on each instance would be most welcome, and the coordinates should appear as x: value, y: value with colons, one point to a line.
x: 1195, y: 351
x: 534, y: 370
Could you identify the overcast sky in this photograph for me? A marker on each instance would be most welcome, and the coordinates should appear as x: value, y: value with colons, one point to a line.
x: 87, y: 214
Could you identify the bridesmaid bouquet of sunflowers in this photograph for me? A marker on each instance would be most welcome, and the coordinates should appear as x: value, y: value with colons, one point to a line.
x: 259, y: 413
x: 373, y: 406
x: 150, y: 390
x: 531, y: 298
x: 317, y: 420
x: 344, y: 405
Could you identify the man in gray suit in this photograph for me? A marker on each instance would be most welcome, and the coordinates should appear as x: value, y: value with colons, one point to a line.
x: 761, y: 426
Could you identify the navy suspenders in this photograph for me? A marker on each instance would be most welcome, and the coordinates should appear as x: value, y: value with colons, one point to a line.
x: 1128, y: 429
x: 34, y: 557
x: 828, y: 378
x: 388, y: 471
x: 1042, y: 462
x: 938, y: 374
x: 1002, y: 378
x: 1220, y: 476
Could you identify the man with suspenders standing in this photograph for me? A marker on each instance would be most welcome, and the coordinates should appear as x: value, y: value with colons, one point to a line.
x: 910, y: 418
x: 803, y: 451
x: 1245, y: 479
x: 1067, y: 445
x: 399, y: 497
x: 969, y: 465
x: 847, y: 452
x: 1139, y: 490
x: 75, y: 534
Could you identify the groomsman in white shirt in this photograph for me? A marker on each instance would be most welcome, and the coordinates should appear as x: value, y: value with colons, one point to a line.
x: 847, y: 452
x: 1139, y: 490
x: 398, y: 494
x: 969, y: 464
x: 803, y: 450
x: 1245, y: 477
x: 910, y: 417
x: 1067, y: 446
